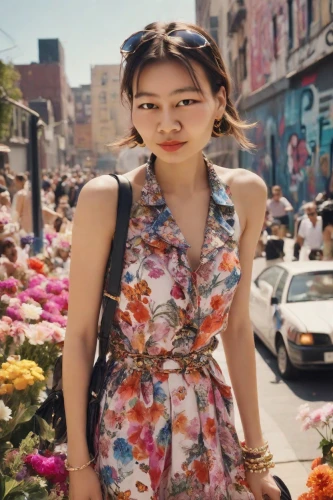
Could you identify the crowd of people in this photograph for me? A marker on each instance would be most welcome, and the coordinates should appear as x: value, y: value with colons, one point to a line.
x: 59, y: 196
x: 311, y: 227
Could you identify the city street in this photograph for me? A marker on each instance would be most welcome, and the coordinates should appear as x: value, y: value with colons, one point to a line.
x: 279, y: 401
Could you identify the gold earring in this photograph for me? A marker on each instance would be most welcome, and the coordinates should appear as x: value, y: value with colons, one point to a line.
x: 216, y: 128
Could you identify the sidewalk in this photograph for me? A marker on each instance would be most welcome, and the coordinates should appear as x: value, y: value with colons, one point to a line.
x: 291, y: 471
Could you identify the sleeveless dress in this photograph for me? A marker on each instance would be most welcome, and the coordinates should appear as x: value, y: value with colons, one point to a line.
x: 166, y: 430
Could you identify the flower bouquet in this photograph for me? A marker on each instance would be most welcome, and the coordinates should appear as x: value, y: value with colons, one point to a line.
x: 320, y: 480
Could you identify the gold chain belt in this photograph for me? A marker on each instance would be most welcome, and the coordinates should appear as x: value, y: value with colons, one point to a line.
x: 189, y: 362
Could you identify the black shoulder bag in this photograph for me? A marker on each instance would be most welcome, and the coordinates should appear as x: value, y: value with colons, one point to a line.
x: 52, y: 409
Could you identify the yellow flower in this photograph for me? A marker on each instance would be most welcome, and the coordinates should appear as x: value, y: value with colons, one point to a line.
x: 13, y: 372
x: 3, y: 375
x: 29, y: 378
x: 37, y: 375
x: 20, y: 383
x: 6, y: 389
x: 5, y: 365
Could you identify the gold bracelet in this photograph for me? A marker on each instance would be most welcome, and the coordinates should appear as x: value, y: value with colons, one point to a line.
x: 254, y: 450
x: 70, y: 468
x: 266, y: 458
x: 258, y: 470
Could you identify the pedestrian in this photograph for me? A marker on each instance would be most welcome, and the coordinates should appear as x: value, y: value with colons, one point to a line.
x: 19, y: 182
x: 328, y: 242
x: 310, y: 233
x: 166, y: 426
x: 274, y: 249
x: 279, y: 208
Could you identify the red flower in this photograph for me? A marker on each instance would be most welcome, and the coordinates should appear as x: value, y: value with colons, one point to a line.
x: 177, y: 292
x: 36, y: 264
x: 140, y: 312
x: 216, y: 302
x: 201, y: 471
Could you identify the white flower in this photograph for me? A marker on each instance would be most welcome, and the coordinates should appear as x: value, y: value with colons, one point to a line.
x: 31, y: 312
x: 14, y: 302
x: 42, y: 396
x: 38, y: 334
x: 5, y: 298
x: 5, y: 412
x: 303, y: 412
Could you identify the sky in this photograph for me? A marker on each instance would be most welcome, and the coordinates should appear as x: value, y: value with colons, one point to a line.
x: 91, y: 31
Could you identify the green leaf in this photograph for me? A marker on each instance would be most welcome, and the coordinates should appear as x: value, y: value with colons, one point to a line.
x: 46, y: 432
x: 26, y: 414
x: 11, y: 485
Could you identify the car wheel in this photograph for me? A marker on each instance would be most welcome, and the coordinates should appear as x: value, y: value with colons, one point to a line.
x: 285, y: 367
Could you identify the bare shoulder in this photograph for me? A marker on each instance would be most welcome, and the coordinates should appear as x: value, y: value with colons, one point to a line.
x: 245, y: 186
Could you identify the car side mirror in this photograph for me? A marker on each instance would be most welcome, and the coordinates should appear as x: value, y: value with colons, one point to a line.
x: 274, y: 301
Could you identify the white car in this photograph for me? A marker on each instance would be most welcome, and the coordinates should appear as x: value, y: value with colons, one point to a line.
x: 291, y: 309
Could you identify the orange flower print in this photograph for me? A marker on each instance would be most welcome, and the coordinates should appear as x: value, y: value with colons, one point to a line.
x: 180, y: 393
x: 216, y: 302
x: 130, y: 386
x: 179, y: 424
x: 141, y: 487
x: 140, y: 312
x: 112, y: 418
x: 229, y: 261
x: 128, y: 291
x: 210, y: 325
x: 134, y: 433
x: 201, y: 471
x: 142, y: 288
x: 138, y: 341
x: 139, y: 450
x: 138, y: 413
x: 125, y: 316
x: 124, y: 496
x: 155, y: 412
x: 209, y: 428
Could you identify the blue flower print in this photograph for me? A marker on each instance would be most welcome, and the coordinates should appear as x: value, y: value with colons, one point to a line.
x: 122, y: 451
x: 164, y: 436
x: 109, y: 475
x: 232, y: 279
x: 128, y: 277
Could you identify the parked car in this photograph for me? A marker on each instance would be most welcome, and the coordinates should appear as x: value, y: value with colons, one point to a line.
x: 291, y: 309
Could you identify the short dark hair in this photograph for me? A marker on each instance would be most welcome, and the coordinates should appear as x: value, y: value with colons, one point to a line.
x: 161, y: 49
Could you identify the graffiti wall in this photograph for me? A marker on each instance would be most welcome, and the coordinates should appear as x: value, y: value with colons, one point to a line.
x: 294, y: 136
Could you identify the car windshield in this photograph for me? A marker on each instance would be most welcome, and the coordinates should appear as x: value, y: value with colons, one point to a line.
x: 306, y: 287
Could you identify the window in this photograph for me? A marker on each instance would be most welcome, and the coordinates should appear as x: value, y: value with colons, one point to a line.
x: 275, y: 37
x: 242, y: 55
x: 214, y: 28
x: 270, y: 275
x: 290, y: 24
x: 309, y: 16
x: 281, y: 285
x: 102, y: 97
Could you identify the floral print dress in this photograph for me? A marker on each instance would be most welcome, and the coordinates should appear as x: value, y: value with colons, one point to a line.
x: 167, y: 432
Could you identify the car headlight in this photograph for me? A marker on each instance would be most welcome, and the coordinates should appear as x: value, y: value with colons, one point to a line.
x: 300, y: 338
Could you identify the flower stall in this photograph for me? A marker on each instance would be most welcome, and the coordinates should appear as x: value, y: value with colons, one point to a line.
x: 33, y: 317
x: 320, y: 481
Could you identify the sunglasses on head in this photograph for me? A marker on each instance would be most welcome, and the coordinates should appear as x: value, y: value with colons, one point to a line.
x: 190, y: 40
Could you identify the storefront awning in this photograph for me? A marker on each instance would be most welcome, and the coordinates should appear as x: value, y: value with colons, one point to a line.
x: 4, y: 148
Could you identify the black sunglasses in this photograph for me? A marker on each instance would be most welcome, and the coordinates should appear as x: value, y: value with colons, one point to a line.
x: 191, y: 40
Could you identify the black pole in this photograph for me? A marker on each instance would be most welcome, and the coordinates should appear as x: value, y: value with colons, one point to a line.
x: 37, y: 220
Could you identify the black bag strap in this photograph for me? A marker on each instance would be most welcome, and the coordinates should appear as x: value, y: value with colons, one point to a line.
x: 114, y: 271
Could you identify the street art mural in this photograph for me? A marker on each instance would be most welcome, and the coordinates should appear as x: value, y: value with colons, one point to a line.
x: 294, y: 138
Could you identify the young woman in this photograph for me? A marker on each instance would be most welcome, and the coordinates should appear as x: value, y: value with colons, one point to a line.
x: 166, y: 429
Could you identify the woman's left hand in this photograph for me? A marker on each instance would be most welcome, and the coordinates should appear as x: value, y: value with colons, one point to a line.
x: 263, y: 486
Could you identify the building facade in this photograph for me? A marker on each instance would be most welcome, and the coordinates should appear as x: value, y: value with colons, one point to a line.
x: 110, y: 119
x: 47, y: 79
x: 280, y: 55
x: 83, y: 126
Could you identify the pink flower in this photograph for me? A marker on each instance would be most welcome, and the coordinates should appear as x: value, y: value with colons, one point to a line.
x: 51, y: 307
x: 55, y: 287
x: 303, y: 412
x: 7, y: 320
x: 54, y: 318
x: 177, y: 292
x: 327, y: 410
x: 14, y: 314
x: 36, y: 280
x: 38, y: 294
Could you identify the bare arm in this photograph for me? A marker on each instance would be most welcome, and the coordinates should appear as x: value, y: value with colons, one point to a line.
x: 238, y: 339
x: 93, y: 230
